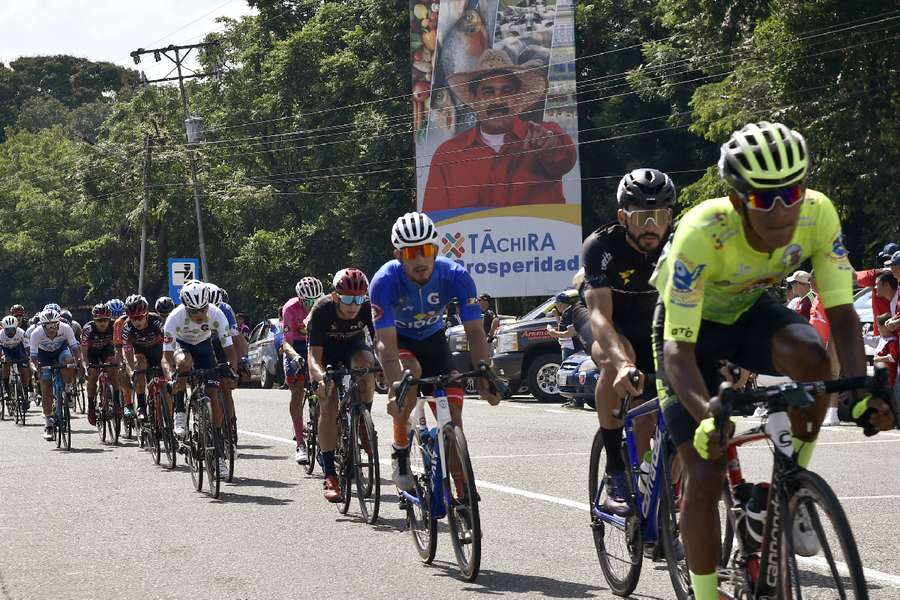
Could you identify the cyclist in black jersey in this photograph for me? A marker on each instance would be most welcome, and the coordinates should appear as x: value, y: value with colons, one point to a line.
x: 97, y: 348
x: 142, y: 342
x: 615, y: 312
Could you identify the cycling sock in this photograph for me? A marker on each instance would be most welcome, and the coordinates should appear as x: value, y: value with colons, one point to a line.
x: 179, y: 402
x: 298, y: 430
x: 705, y: 586
x: 401, y: 436
x: 612, y: 443
x: 804, y: 451
x: 328, y: 463
x: 142, y: 401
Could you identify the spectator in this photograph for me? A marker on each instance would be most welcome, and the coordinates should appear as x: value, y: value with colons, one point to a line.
x: 790, y: 297
x: 490, y: 319
x: 802, y: 290
x: 888, y: 352
x: 453, y: 317
x: 242, y: 325
x: 564, y: 333
x: 867, y: 279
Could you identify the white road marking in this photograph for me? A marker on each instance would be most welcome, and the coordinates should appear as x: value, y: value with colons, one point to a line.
x: 531, y: 455
x: 871, y: 574
x: 559, y: 412
x: 888, y: 497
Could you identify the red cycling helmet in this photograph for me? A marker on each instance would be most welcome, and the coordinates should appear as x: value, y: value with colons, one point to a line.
x: 17, y: 310
x: 351, y: 282
x: 136, y: 306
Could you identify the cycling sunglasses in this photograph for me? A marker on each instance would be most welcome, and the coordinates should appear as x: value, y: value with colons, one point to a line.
x: 140, y: 317
x: 653, y: 217
x: 348, y: 299
x: 765, y: 200
x: 426, y: 250
x: 196, y: 311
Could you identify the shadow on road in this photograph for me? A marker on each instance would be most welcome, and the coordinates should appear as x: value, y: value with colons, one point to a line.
x: 232, y: 498
x: 84, y: 450
x: 243, y: 456
x: 267, y: 483
x: 500, y: 582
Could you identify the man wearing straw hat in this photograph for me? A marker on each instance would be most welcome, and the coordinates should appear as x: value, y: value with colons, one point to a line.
x: 503, y: 160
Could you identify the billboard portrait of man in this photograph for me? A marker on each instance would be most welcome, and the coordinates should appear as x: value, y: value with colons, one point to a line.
x: 504, y: 160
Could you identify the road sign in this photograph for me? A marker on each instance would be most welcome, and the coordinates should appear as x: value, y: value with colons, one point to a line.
x: 182, y: 270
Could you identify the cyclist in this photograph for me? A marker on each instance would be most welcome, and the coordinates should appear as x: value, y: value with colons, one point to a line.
x: 142, y: 339
x: 97, y: 342
x: 294, y: 315
x: 164, y: 306
x: 52, y: 343
x: 15, y: 350
x: 65, y: 316
x: 18, y: 311
x: 117, y: 307
x: 216, y: 298
x: 714, y: 306
x: 615, y: 310
x: 337, y: 336
x: 409, y: 295
x: 190, y: 326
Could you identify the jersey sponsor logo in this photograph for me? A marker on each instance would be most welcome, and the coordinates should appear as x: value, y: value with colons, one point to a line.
x: 433, y: 298
x: 471, y: 301
x: 421, y: 320
x: 626, y: 276
x: 604, y: 260
x: 536, y: 334
x: 682, y: 332
x: 377, y: 312
x: 838, y: 250
x: 685, y: 275
x: 792, y: 256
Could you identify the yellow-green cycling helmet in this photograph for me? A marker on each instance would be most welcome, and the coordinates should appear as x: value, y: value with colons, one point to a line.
x: 764, y: 156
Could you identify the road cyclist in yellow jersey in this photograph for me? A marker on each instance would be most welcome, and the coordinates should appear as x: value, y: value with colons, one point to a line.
x: 714, y: 306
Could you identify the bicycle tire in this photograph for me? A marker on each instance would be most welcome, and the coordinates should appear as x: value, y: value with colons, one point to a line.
x: 463, y: 515
x: 153, y: 429
x: 116, y: 417
x: 420, y: 522
x: 367, y: 474
x: 728, y: 532
x: 194, y: 453
x: 625, y: 584
x: 810, y: 490
x: 80, y: 396
x: 343, y: 459
x: 4, y: 397
x: 228, y: 445
x: 66, y: 426
x: 168, y: 437
x: 19, y: 399
x: 310, y: 414
x: 211, y: 452
x: 669, y: 529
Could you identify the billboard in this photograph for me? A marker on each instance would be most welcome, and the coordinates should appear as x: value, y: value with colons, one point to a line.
x: 496, y: 133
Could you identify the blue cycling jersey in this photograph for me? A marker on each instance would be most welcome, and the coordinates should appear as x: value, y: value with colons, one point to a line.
x: 229, y: 316
x: 418, y: 312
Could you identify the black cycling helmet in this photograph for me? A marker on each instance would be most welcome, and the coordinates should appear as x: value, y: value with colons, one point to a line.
x: 164, y: 305
x: 65, y: 316
x: 646, y: 189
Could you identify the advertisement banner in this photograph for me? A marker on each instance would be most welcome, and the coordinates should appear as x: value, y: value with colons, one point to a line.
x: 496, y: 132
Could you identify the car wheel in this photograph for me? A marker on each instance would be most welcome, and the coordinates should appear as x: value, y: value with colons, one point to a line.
x: 541, y: 378
x: 266, y: 380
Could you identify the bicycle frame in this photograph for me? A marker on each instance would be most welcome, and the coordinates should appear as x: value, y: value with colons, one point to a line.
x: 439, y: 496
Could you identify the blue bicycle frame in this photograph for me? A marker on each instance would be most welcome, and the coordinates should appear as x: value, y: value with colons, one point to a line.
x: 440, y: 497
x: 648, y: 503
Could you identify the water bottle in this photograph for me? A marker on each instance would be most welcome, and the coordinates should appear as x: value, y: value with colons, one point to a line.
x: 751, y: 503
x: 644, y: 478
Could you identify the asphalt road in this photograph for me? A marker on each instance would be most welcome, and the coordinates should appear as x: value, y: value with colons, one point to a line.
x: 101, y: 522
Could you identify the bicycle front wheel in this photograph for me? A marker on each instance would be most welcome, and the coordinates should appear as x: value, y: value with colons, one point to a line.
x: 825, y: 561
x: 195, y: 445
x: 168, y: 437
x: 311, y: 424
x: 462, y: 514
x: 420, y: 521
x: 65, y: 428
x: 618, y: 540
x: 343, y: 463
x: 211, y: 440
x: 19, y: 400
x: 366, y: 469
x: 670, y: 527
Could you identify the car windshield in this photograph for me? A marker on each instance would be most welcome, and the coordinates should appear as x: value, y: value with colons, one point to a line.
x: 539, y: 311
x: 863, y: 300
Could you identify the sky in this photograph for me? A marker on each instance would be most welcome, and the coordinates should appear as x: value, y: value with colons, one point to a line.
x: 109, y: 30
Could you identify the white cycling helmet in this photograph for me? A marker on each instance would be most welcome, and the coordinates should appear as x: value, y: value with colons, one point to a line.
x: 215, y: 293
x: 309, y: 288
x: 9, y: 322
x: 413, y: 229
x: 195, y: 295
x: 49, y: 317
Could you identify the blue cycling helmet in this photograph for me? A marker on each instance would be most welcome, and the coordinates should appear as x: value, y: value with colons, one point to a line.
x: 116, y: 307
x: 52, y: 306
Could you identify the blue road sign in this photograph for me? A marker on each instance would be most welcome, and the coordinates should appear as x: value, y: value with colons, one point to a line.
x: 180, y: 271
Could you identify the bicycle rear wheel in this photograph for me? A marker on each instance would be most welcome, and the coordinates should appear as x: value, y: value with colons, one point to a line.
x: 116, y: 417
x: 195, y: 445
x: 462, y: 514
x: 366, y: 470
x: 618, y: 541
x: 826, y: 561
x: 670, y: 528
x: 65, y: 428
x: 420, y: 522
x: 311, y: 425
x: 165, y: 432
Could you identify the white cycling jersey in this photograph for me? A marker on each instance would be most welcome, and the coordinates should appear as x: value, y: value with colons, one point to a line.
x: 41, y: 341
x: 180, y: 327
x: 15, y: 340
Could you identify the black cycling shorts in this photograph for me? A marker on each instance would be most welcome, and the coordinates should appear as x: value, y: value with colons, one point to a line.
x: 433, y: 354
x: 202, y: 354
x: 153, y: 354
x: 746, y: 343
x: 639, y: 339
x: 96, y: 356
x: 219, y: 350
x: 341, y: 353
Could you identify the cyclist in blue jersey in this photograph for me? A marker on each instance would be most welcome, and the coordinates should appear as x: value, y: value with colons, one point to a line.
x: 408, y: 298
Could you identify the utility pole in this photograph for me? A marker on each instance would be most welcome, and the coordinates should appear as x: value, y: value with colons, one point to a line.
x: 148, y: 155
x: 177, y: 55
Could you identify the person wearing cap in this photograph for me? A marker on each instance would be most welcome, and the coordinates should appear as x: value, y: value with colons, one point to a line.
x: 867, y: 278
x: 888, y: 352
x: 489, y: 318
x: 564, y: 332
x: 800, y: 285
x: 503, y: 160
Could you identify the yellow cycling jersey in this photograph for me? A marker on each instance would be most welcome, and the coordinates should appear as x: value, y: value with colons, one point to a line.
x: 709, y: 271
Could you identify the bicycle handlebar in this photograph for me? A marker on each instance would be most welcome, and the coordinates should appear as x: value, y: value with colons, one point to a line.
x: 440, y: 381
x: 332, y: 374
x: 617, y: 413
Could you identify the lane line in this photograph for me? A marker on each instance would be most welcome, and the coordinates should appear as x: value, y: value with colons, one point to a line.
x: 532, y: 455
x: 820, y: 563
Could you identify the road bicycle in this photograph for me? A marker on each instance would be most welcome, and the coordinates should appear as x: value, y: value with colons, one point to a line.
x: 109, y: 405
x: 14, y: 397
x: 650, y: 526
x: 799, y: 501
x: 62, y: 397
x: 311, y: 425
x: 203, y: 443
x: 440, y: 492
x: 356, y: 451
x: 156, y: 431
x: 80, y: 392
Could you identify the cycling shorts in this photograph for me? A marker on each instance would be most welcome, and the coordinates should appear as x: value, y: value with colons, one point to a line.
x: 16, y: 355
x: 639, y: 340
x: 48, y: 359
x: 96, y: 356
x: 295, y: 373
x: 433, y: 354
x: 221, y: 357
x: 152, y: 354
x: 746, y: 343
x: 202, y: 354
x: 335, y: 354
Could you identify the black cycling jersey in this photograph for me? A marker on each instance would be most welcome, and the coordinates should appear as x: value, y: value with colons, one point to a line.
x: 151, y: 335
x: 94, y: 339
x: 326, y: 326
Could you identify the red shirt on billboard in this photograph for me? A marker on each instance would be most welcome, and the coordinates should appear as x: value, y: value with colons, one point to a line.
x: 467, y: 172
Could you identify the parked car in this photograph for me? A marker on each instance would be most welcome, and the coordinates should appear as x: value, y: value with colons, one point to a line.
x: 862, y: 302
x: 577, y: 377
x: 524, y: 353
x: 265, y: 360
x: 459, y: 349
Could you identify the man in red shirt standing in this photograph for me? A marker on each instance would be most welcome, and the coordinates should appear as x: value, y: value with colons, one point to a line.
x: 503, y: 160
x: 867, y: 279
